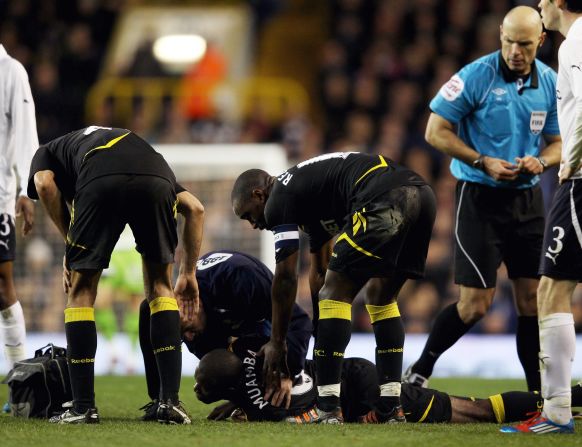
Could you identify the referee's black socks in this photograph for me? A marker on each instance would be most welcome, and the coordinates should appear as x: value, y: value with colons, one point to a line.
x: 447, y: 329
x: 527, y: 338
x: 166, y: 344
x: 389, y: 332
x: 81, y: 347
x: 333, y: 335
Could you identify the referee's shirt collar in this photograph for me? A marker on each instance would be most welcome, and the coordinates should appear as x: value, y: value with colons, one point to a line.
x: 3, y: 52
x: 528, y: 81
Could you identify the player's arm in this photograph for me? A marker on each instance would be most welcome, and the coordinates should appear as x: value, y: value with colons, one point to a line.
x: 574, y: 162
x: 25, y: 139
x: 317, y: 269
x: 283, y: 294
x: 52, y: 200
x: 440, y: 133
x: 186, y: 289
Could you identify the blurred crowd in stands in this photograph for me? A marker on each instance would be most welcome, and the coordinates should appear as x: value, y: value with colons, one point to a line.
x: 382, y: 63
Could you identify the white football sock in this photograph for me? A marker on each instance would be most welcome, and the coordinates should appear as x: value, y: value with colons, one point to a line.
x: 558, y: 346
x: 13, y: 333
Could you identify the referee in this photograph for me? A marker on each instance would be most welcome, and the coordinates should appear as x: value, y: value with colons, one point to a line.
x: 501, y: 105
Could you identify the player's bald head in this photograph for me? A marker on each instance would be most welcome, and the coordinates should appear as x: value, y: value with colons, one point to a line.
x: 246, y: 183
x: 217, y: 374
x: 523, y: 18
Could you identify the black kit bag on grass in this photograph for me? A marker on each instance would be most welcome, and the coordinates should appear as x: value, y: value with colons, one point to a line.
x: 39, y: 386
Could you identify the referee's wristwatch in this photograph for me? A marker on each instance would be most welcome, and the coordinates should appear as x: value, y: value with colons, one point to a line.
x: 478, y: 164
x: 543, y: 162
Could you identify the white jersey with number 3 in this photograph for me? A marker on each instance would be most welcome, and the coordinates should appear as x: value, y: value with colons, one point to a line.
x: 569, y: 89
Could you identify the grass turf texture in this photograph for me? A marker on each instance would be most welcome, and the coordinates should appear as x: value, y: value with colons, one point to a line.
x: 118, y: 399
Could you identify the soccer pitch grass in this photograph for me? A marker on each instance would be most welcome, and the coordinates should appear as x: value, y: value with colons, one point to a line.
x: 118, y: 400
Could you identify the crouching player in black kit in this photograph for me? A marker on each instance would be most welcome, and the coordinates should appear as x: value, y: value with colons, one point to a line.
x: 235, y: 301
x: 236, y: 375
x: 384, y: 215
x: 111, y: 177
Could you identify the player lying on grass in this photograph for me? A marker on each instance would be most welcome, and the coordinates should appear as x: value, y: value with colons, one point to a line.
x: 236, y: 375
x: 235, y: 300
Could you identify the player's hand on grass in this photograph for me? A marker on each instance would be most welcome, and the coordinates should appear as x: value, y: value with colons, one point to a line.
x: 25, y: 208
x: 499, y: 169
x: 274, y: 366
x: 222, y: 412
x: 186, y: 291
x: 282, y: 396
x: 529, y: 165
x: 66, y: 276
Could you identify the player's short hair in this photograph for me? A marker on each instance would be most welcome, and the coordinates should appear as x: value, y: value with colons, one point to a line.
x: 219, y: 369
x: 574, y: 6
x: 246, y: 182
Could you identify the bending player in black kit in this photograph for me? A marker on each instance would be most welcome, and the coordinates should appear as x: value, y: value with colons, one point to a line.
x: 235, y: 301
x: 383, y: 214
x: 236, y: 375
x: 111, y: 177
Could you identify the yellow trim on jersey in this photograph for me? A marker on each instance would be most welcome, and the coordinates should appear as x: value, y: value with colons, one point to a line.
x: 383, y: 164
x: 358, y: 220
x: 74, y: 314
x: 175, y: 208
x: 345, y: 237
x: 378, y: 313
x: 74, y: 244
x: 427, y: 411
x: 163, y: 303
x: 107, y: 145
x: 498, y: 407
x: 335, y: 309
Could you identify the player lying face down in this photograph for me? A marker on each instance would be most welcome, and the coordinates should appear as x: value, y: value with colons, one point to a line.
x: 236, y: 375
x: 235, y: 300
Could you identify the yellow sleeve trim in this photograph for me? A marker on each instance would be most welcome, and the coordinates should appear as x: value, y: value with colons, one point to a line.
x: 335, y: 309
x: 73, y: 314
x: 383, y: 163
x: 498, y: 407
x: 378, y: 313
x: 163, y: 303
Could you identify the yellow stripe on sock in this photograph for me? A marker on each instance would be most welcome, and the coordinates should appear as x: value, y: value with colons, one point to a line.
x: 378, y: 313
x: 335, y: 309
x: 498, y: 408
x: 163, y: 303
x: 73, y: 314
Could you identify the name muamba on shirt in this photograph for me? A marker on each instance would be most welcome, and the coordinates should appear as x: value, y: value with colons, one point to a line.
x: 251, y: 383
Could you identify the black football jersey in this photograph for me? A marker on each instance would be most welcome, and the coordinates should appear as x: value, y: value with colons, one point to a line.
x: 83, y: 155
x: 319, y: 194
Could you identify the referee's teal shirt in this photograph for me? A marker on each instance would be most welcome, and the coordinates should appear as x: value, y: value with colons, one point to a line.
x: 498, y: 114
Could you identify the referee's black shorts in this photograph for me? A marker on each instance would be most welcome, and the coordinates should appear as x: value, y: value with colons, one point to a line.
x: 103, y: 207
x: 495, y: 225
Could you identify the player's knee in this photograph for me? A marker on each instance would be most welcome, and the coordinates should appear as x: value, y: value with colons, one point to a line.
x: 472, y: 312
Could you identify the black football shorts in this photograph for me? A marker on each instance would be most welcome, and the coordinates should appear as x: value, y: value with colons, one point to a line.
x: 495, y: 225
x: 562, y: 248
x: 387, y: 237
x: 104, y: 206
